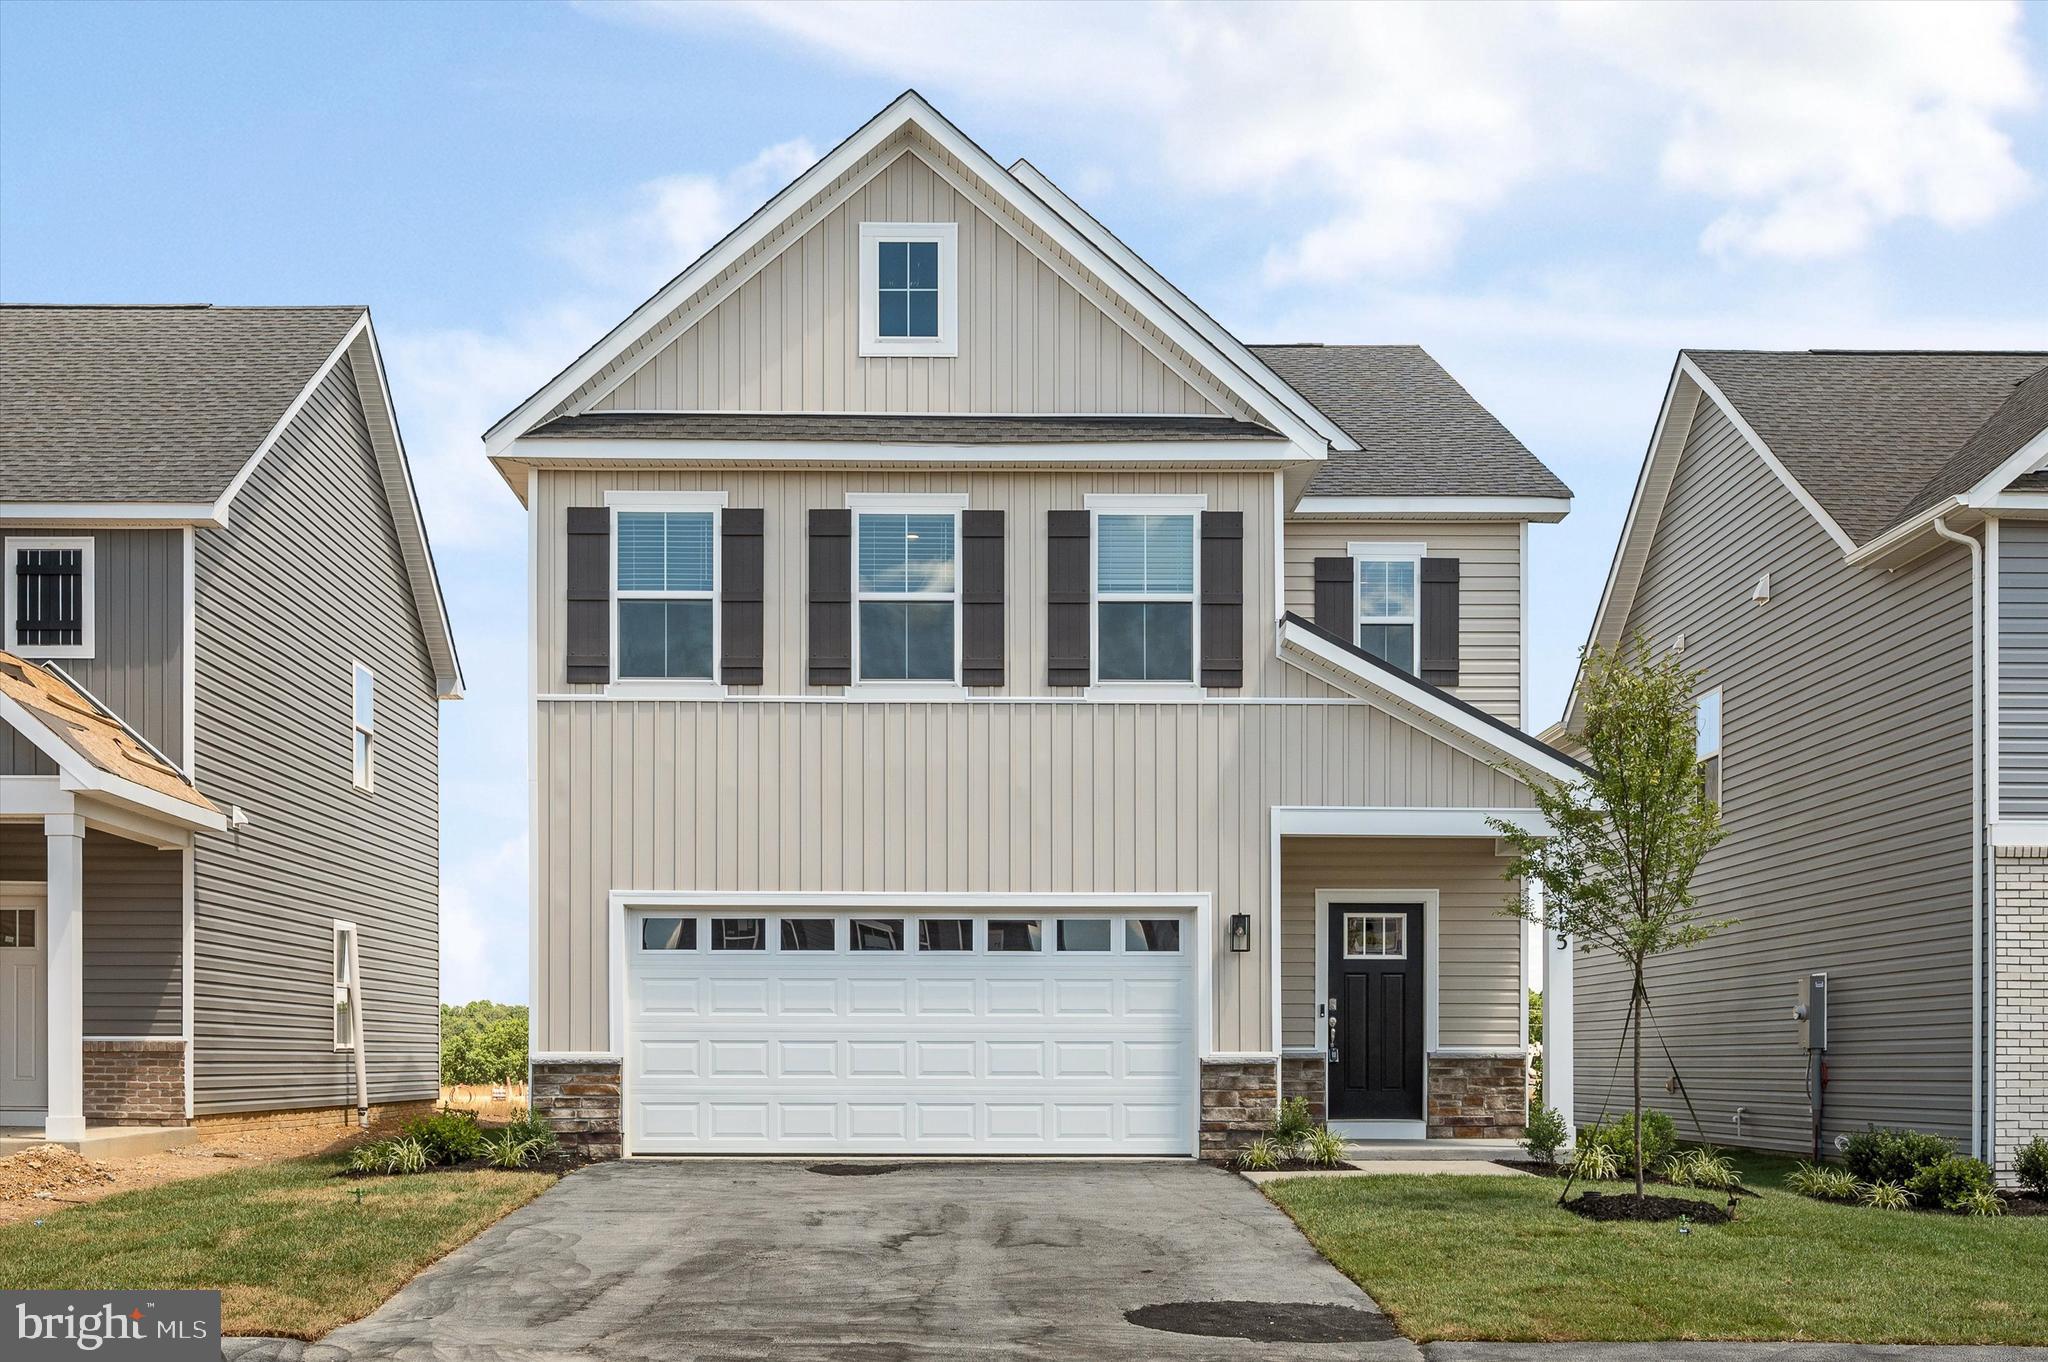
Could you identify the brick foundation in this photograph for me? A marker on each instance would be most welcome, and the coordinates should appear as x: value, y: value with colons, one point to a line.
x: 1239, y: 1101
x: 134, y: 1082
x: 580, y: 1100
x: 2021, y: 1035
x: 1306, y: 1076
x: 1481, y: 1099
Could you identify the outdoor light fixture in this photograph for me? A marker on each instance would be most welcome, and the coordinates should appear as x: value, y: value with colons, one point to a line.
x: 1240, y: 931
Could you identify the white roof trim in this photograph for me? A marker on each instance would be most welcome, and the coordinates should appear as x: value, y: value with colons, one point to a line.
x: 1316, y: 820
x: 112, y: 513
x: 1454, y: 507
x: 1104, y: 240
x: 1473, y: 736
x: 907, y: 110
x: 1179, y: 453
x: 80, y: 775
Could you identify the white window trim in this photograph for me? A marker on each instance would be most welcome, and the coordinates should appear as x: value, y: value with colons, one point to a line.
x: 907, y: 503
x: 1387, y: 551
x: 872, y: 343
x: 366, y: 779
x: 1098, y: 504
x: 345, y: 961
x: 680, y: 688
x: 89, y: 602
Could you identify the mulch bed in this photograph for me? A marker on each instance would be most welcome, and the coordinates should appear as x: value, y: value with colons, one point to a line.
x: 1629, y: 1206
x: 2024, y: 1203
x: 1267, y: 1321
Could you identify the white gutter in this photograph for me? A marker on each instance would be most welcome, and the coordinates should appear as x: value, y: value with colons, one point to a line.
x: 1977, y: 896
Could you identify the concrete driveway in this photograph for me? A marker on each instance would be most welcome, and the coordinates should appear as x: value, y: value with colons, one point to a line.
x: 757, y: 1260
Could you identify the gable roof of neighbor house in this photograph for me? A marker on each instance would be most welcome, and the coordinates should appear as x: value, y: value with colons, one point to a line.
x: 159, y: 414
x: 1419, y: 432
x: 90, y: 742
x: 1876, y: 445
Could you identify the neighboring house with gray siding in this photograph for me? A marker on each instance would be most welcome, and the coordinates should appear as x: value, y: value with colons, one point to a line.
x: 981, y: 706
x: 224, y: 654
x: 1852, y: 548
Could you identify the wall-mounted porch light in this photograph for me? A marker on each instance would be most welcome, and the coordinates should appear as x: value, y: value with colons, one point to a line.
x: 1240, y: 931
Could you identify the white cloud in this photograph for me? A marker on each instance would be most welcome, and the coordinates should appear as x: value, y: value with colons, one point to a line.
x: 483, y: 925
x: 1802, y: 128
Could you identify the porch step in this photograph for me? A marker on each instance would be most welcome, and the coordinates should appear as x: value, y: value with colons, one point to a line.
x: 105, y: 1142
x: 1458, y: 1151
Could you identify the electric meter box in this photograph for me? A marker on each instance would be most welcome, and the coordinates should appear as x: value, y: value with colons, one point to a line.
x: 1812, y: 1012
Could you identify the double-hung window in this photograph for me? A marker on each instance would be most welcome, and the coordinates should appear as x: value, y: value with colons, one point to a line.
x: 666, y: 587
x: 363, y: 705
x: 907, y: 588
x: 909, y: 303
x: 49, y: 597
x: 1388, y: 591
x: 1144, y: 588
x: 1707, y: 743
x: 347, y: 990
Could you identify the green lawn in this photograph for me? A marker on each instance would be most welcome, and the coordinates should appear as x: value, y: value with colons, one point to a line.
x: 1494, y: 1258
x: 288, y: 1246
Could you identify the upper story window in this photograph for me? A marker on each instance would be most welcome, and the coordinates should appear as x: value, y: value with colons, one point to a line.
x: 1145, y: 588
x: 363, y: 707
x: 907, y: 588
x: 1389, y: 592
x: 665, y: 600
x: 1707, y: 742
x: 49, y: 607
x: 909, y: 299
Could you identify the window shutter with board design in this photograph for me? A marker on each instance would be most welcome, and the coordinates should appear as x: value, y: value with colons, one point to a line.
x: 981, y: 598
x: 1337, y: 597
x: 588, y: 644
x: 49, y: 598
x: 1067, y: 553
x: 741, y: 570
x: 831, y: 595
x: 1223, y: 599
x: 1439, y: 607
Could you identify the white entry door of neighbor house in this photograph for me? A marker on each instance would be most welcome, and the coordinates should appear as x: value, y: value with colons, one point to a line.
x: 901, y: 1033
x: 24, y: 1006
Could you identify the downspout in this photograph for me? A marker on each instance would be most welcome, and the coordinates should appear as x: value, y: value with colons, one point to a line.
x: 1976, y: 549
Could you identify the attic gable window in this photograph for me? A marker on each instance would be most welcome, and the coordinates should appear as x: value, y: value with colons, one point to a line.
x: 909, y: 296
x: 49, y: 597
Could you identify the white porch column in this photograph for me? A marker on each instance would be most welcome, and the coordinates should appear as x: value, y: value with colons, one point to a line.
x: 1557, y: 1031
x: 64, y: 839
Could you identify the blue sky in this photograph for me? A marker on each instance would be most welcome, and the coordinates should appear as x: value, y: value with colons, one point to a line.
x: 1552, y: 200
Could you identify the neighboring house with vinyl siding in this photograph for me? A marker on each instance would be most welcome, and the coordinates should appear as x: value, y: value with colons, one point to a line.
x: 213, y: 553
x: 1876, y: 726
x: 981, y: 706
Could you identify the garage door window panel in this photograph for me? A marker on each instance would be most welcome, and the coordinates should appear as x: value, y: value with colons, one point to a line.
x: 945, y: 934
x: 668, y: 934
x: 1152, y: 934
x: 739, y: 934
x: 1084, y: 933
x: 877, y: 934
x: 810, y: 934
x: 1008, y: 935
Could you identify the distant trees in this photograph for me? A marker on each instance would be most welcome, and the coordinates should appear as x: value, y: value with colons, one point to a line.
x: 483, y: 1042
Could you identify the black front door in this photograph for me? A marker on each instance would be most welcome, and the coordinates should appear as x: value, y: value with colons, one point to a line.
x: 1375, y: 956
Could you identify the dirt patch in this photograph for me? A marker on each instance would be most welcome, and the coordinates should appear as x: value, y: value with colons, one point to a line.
x: 2024, y: 1203
x: 40, y: 1173
x: 1629, y: 1206
x: 1266, y: 1321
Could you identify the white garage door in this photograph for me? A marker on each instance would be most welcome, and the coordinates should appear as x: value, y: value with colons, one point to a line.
x: 932, y: 1033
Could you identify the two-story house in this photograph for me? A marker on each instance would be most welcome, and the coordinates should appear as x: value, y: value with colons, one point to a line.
x: 1852, y: 549
x: 224, y: 653
x: 981, y: 706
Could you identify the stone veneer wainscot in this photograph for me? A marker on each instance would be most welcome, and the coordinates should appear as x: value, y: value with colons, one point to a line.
x: 579, y: 1099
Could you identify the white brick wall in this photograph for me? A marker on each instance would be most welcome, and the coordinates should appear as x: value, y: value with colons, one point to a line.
x: 2022, y: 1022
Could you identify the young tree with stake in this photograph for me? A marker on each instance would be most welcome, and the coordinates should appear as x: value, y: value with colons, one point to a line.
x: 1616, y: 867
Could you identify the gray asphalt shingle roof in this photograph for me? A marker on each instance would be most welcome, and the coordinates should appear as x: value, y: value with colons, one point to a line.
x: 1420, y: 433
x: 1877, y: 436
x: 148, y: 404
x: 897, y: 429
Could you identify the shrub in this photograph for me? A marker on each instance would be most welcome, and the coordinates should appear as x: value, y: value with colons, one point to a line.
x: 1292, y: 1123
x: 1702, y: 1167
x: 447, y: 1136
x: 1618, y: 1137
x: 1822, y: 1183
x: 1986, y: 1202
x: 1885, y: 1196
x: 2032, y: 1166
x: 401, y: 1155
x: 1324, y: 1148
x: 525, y: 1126
x: 1882, y: 1155
x: 1544, y: 1135
x: 1260, y: 1155
x: 504, y: 1149
x: 1951, y: 1183
x: 1595, y: 1162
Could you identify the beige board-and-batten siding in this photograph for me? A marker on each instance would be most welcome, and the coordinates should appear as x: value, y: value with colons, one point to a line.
x: 1489, y: 554
x: 1037, y: 333
x: 1846, y: 796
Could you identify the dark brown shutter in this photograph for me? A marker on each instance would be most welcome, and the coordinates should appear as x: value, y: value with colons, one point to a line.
x: 1223, y: 599
x: 831, y: 640
x: 741, y: 568
x: 49, y: 601
x: 1337, y: 598
x: 1067, y: 554
x: 588, y: 649
x: 981, y: 598
x: 1439, y: 643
